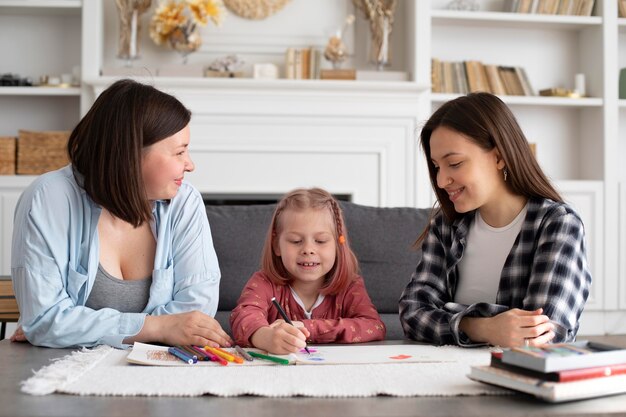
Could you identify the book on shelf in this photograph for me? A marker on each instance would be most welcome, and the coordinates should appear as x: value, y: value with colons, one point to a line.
x: 549, y: 390
x: 621, y: 7
x: 495, y: 82
x: 552, y: 7
x: 564, y: 356
x: 463, y: 77
x: 302, y: 64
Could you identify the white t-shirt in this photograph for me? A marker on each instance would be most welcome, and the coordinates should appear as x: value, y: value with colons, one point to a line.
x: 486, y: 250
x: 307, y: 314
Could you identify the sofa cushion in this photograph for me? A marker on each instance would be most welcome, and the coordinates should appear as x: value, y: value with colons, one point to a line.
x: 238, y: 235
x: 381, y: 238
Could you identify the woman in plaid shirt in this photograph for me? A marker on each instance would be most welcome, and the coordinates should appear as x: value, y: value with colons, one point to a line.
x: 503, y: 259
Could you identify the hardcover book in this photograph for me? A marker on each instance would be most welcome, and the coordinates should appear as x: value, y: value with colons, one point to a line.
x: 564, y: 356
x: 561, y: 376
x: 547, y: 390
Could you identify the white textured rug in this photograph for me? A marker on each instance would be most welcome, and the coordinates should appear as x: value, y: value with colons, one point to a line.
x: 105, y: 371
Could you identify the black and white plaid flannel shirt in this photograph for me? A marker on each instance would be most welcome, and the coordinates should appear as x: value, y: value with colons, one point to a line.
x: 547, y: 267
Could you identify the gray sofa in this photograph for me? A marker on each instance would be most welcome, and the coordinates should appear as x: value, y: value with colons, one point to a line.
x: 382, y: 239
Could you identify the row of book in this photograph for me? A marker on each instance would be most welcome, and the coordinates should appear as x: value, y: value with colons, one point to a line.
x: 621, y: 8
x: 303, y: 64
x: 470, y: 76
x: 558, y: 372
x: 560, y: 7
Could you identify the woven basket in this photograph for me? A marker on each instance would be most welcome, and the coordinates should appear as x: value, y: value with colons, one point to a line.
x: 7, y: 155
x: 39, y: 152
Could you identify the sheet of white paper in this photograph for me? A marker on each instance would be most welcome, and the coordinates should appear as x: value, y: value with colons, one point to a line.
x: 146, y: 354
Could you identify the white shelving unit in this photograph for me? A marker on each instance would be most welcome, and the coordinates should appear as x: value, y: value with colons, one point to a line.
x: 39, y: 38
x: 580, y: 142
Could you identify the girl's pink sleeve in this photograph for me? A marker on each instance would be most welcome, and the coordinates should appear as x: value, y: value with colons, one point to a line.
x: 359, y: 321
x: 252, y: 308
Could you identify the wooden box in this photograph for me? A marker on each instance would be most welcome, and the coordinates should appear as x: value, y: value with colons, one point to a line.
x: 39, y: 152
x: 7, y: 155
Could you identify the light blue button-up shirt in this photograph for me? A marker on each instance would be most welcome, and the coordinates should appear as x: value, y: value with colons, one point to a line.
x: 55, y: 257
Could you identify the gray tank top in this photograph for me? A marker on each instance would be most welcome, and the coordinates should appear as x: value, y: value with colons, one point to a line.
x: 121, y: 295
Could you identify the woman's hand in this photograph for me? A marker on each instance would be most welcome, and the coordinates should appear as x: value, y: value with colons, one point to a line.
x: 514, y: 327
x: 192, y: 328
x: 280, y: 337
x: 18, y: 335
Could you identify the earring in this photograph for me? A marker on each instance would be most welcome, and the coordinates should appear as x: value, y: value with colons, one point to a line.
x: 506, y: 173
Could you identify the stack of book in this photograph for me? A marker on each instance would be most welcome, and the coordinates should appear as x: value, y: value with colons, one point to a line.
x: 561, y: 7
x: 558, y: 372
x: 303, y: 64
x: 471, y: 76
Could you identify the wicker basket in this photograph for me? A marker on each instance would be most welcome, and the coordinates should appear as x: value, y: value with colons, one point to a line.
x: 7, y: 155
x: 39, y: 152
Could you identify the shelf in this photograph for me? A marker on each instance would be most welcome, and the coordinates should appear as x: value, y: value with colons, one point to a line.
x: 514, y: 20
x: 50, y: 7
x: 39, y: 91
x: 407, y: 87
x: 622, y: 104
x: 621, y: 24
x: 533, y: 100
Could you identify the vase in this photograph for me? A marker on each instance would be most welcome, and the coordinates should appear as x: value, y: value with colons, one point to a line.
x: 185, y: 40
x: 380, y: 46
x: 130, y: 28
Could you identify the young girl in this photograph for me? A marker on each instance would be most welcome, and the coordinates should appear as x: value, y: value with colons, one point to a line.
x: 503, y: 258
x: 310, y: 269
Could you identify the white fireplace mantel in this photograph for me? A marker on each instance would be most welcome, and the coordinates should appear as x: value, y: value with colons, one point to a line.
x: 254, y: 137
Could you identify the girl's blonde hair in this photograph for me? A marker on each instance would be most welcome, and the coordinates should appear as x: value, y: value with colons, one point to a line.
x: 346, y: 265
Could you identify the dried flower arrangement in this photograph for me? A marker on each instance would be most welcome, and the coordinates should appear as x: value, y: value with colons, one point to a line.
x: 175, y: 23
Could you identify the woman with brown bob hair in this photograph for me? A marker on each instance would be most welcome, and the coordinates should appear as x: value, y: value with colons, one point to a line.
x: 116, y: 247
x: 309, y: 269
x: 503, y: 259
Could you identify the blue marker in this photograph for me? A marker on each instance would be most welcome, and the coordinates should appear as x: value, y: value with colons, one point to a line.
x: 182, y: 355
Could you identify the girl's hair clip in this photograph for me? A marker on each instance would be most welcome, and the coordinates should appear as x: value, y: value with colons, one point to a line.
x: 342, y: 239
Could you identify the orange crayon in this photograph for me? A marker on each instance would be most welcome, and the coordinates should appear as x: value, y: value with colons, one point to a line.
x: 223, y: 354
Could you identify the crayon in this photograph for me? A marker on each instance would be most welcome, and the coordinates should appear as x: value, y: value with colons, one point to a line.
x: 181, y: 355
x: 202, y: 356
x: 243, y: 353
x: 282, y: 361
x: 233, y: 358
x: 286, y: 318
x: 188, y: 351
x: 216, y: 358
x: 223, y: 354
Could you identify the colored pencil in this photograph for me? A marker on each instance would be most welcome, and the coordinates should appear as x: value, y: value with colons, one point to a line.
x: 181, y: 355
x: 282, y: 361
x: 286, y: 318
